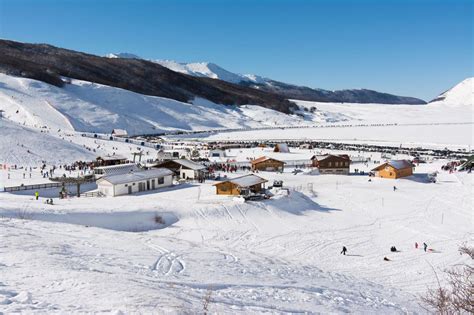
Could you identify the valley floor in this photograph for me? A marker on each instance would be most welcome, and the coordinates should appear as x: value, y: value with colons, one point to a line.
x: 218, y: 254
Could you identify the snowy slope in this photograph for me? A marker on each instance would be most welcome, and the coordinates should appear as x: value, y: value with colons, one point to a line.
x: 462, y: 94
x: 25, y: 146
x: 85, y: 106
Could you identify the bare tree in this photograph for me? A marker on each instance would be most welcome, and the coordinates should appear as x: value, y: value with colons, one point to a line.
x: 458, y: 296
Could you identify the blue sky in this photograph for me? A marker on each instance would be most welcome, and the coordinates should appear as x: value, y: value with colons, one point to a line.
x: 415, y: 48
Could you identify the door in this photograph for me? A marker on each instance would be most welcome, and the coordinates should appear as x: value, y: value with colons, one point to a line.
x: 153, y: 186
x: 129, y: 190
x: 148, y: 185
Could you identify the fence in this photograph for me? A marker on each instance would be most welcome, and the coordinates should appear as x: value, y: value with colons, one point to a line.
x: 31, y: 187
x: 92, y: 194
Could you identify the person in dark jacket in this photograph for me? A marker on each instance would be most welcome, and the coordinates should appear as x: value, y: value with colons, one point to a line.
x: 344, y: 250
x: 425, y: 246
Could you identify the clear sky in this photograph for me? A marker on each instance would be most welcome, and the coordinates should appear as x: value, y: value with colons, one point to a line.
x: 416, y: 48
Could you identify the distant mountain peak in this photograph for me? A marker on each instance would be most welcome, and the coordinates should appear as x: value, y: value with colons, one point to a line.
x: 123, y: 55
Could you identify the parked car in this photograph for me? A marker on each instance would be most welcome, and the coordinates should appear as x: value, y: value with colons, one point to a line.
x: 278, y: 183
x: 255, y: 197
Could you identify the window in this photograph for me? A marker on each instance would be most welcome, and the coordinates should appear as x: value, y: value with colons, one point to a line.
x: 224, y: 187
x: 126, y: 185
x: 330, y: 164
x: 133, y: 184
x: 336, y: 164
x: 161, y: 180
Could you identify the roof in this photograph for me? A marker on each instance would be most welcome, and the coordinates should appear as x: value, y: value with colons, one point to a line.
x: 245, y: 181
x: 119, y: 169
x: 263, y: 159
x: 186, y: 164
x: 136, y: 176
x: 112, y: 157
x: 119, y: 131
x: 396, y: 164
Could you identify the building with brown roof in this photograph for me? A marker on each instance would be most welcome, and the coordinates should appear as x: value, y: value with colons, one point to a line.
x: 332, y: 164
x: 242, y: 185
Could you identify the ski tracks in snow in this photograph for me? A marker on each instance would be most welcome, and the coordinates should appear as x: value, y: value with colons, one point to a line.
x: 168, y: 262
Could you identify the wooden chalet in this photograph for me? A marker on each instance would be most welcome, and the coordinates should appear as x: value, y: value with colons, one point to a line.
x: 268, y: 164
x: 110, y: 160
x: 185, y: 169
x: 394, y: 169
x: 332, y: 164
x: 242, y: 185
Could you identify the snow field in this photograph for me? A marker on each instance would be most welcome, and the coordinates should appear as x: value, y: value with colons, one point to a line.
x: 280, y: 255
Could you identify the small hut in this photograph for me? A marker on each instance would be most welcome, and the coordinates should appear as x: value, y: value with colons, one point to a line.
x: 282, y: 148
x: 119, y: 132
x: 242, y: 185
x: 394, y: 169
x: 265, y: 163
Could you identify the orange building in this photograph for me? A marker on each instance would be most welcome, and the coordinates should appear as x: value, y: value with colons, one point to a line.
x: 394, y: 169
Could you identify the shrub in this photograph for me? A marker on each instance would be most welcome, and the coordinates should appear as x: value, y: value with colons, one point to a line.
x: 458, y: 296
x: 159, y: 219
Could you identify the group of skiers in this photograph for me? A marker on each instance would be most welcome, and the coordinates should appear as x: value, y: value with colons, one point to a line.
x: 392, y: 249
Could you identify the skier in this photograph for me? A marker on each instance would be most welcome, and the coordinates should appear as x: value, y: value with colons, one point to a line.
x: 394, y: 188
x: 36, y: 195
x: 425, y: 246
x: 344, y: 250
x: 386, y: 259
x: 416, y: 245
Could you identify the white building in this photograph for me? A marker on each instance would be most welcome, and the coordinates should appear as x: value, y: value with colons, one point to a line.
x: 119, y: 132
x: 133, y: 182
x: 217, y: 153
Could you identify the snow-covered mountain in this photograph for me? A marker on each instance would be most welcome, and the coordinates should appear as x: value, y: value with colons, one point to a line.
x: 199, y: 69
x: 290, y: 91
x: 211, y: 70
x: 462, y: 94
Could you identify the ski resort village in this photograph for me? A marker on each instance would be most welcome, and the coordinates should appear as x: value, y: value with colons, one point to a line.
x: 136, y: 186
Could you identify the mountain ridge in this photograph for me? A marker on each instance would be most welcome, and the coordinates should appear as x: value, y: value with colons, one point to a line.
x: 50, y: 64
x: 290, y: 91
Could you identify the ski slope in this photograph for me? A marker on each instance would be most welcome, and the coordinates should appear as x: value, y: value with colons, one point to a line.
x: 28, y: 146
x: 86, y: 106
